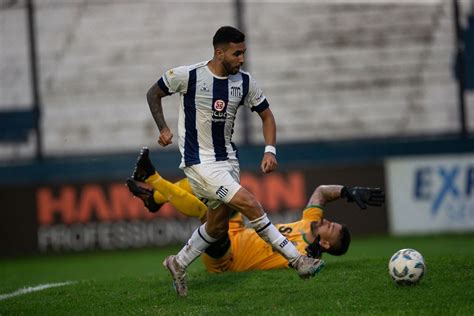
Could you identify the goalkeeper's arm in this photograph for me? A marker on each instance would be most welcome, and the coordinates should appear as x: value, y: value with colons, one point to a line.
x: 324, y: 194
x: 362, y: 196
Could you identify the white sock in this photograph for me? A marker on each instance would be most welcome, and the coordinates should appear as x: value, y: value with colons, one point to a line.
x: 268, y: 232
x: 195, y: 246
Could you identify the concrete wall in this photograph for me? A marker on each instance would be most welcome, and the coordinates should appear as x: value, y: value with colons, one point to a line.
x: 330, y: 71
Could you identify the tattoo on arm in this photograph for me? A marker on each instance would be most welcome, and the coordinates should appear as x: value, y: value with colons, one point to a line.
x: 324, y: 194
x: 332, y: 192
x: 153, y: 97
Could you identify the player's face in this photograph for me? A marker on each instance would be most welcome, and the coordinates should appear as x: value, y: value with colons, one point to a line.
x: 234, y: 57
x: 329, y: 232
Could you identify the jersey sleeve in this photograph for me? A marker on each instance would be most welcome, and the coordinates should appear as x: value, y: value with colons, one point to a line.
x: 174, y: 80
x: 313, y: 213
x: 255, y: 98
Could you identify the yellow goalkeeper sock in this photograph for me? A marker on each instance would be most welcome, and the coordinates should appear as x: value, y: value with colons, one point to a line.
x: 184, y: 184
x: 159, y: 198
x: 178, y: 195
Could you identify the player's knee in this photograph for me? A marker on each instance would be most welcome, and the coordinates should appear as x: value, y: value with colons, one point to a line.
x: 247, y: 204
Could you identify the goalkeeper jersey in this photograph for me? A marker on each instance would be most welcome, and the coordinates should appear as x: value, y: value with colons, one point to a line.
x: 250, y: 252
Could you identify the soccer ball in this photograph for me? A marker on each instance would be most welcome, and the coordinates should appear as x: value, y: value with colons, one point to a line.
x: 407, y: 267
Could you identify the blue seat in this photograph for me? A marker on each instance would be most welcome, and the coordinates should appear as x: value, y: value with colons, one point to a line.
x: 15, y: 125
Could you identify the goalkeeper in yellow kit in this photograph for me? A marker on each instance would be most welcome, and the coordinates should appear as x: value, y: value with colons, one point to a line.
x: 242, y: 249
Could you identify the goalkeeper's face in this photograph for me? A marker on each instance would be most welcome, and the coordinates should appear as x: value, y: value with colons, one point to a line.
x: 330, y: 232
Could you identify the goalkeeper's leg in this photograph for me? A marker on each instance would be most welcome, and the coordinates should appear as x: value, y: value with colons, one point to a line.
x: 178, y: 194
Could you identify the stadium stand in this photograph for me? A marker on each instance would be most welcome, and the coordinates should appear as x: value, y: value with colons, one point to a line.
x: 330, y: 71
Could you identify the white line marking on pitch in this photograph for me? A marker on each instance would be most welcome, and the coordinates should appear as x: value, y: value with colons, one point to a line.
x: 37, y: 288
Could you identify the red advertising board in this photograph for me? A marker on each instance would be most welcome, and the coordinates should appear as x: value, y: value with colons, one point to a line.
x: 89, y: 216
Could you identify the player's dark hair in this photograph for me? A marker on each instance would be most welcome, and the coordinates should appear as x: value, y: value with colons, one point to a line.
x: 227, y: 34
x: 343, y: 244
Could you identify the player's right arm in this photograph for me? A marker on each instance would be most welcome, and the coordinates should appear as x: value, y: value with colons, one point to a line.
x: 154, y: 96
x: 173, y: 81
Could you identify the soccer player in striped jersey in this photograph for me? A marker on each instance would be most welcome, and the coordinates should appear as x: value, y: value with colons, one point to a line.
x: 211, y: 93
x: 242, y: 249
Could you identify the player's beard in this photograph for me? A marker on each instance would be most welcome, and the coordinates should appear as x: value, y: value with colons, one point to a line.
x: 230, y: 70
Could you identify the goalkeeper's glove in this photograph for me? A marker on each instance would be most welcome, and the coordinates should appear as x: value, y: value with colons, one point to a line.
x: 363, y: 196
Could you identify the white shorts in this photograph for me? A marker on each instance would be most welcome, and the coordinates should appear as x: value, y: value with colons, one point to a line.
x: 214, y: 183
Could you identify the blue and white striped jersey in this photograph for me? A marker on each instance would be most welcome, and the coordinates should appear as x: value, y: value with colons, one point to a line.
x: 208, y: 109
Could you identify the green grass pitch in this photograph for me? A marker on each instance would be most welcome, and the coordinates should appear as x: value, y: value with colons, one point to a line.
x: 134, y: 283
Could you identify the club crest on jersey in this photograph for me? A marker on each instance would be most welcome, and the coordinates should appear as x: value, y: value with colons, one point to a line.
x: 235, y: 92
x: 219, y: 105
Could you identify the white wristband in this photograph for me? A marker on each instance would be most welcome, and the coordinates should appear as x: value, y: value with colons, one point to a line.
x: 270, y: 149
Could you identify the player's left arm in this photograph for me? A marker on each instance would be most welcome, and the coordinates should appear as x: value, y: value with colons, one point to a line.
x: 257, y: 102
x: 269, y: 161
